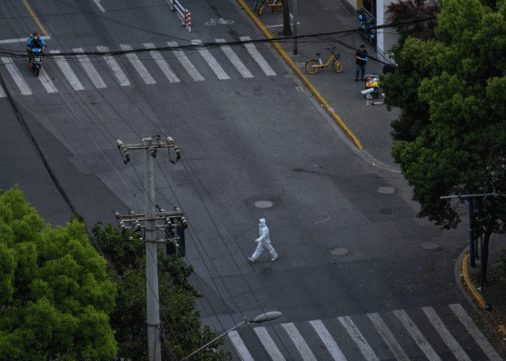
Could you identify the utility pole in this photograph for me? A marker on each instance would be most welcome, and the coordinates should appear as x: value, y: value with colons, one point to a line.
x: 149, y: 218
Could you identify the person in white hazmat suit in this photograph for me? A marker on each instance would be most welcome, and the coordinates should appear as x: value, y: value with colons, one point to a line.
x: 263, y: 241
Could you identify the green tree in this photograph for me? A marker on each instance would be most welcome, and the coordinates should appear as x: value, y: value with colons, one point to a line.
x: 181, y: 325
x: 55, y: 293
x: 452, y: 140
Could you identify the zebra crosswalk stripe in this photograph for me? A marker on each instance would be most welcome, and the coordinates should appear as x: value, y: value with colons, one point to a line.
x: 213, y: 63
x: 18, y: 79
x: 475, y: 332
x: 447, y: 337
x: 46, y: 81
x: 239, y: 346
x: 135, y: 61
x: 328, y: 340
x: 417, y: 336
x: 269, y: 344
x: 251, y: 48
x: 234, y: 59
x: 113, y: 64
x: 185, y: 62
x: 162, y: 64
x: 89, y: 69
x: 359, y: 339
x: 298, y: 340
x: 388, y: 337
x: 67, y: 71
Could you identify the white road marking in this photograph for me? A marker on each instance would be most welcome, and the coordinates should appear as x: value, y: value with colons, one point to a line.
x: 447, y: 337
x: 141, y: 69
x: 97, y: 2
x: 185, y: 62
x: 299, y: 342
x: 388, y: 337
x: 475, y: 332
x: 234, y: 59
x: 164, y: 66
x: 113, y: 64
x: 359, y: 339
x: 240, y: 347
x: 89, y: 69
x: 328, y: 341
x: 20, y: 40
x: 213, y: 63
x: 269, y: 344
x: 417, y: 335
x: 258, y: 57
x: 2, y: 92
x: 46, y: 81
x: 18, y: 79
x: 67, y: 71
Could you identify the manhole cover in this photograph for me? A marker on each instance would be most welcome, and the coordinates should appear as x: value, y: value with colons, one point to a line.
x: 387, y: 210
x: 263, y: 204
x: 339, y: 251
x: 429, y: 246
x: 386, y: 190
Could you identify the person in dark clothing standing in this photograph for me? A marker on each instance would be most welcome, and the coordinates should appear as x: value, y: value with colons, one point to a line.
x: 361, y: 60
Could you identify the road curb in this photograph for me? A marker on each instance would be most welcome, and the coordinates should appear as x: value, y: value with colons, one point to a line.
x: 301, y: 76
x: 478, y: 298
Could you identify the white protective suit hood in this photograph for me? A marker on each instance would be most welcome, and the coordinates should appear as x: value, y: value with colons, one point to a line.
x: 262, y: 222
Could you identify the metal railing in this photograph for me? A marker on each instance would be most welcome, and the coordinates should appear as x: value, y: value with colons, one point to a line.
x: 174, y: 5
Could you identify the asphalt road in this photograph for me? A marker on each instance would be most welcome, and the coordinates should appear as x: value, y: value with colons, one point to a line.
x: 346, y: 232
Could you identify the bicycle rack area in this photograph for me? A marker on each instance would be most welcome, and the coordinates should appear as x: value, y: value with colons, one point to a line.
x: 174, y: 5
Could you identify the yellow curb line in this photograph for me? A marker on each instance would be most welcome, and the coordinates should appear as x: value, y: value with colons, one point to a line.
x: 35, y: 17
x: 470, y: 286
x: 302, y: 77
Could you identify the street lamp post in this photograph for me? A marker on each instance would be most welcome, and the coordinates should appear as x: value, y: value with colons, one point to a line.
x: 264, y: 317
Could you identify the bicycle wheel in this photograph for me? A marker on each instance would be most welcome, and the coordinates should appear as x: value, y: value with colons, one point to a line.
x: 338, y: 65
x: 312, y: 66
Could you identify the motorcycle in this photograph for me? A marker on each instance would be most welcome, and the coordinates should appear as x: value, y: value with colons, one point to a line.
x: 36, y: 60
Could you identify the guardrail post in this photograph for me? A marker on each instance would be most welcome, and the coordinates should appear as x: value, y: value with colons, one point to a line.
x: 189, y: 21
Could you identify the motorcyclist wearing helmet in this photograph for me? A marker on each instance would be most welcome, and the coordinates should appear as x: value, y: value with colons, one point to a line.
x: 35, y: 42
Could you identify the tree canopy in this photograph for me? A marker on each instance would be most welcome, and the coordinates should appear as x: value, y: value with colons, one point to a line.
x: 55, y: 293
x: 451, y: 135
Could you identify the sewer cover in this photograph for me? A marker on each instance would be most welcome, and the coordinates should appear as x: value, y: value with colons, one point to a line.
x: 429, y: 246
x: 339, y: 251
x: 387, y: 210
x: 386, y: 190
x: 263, y: 204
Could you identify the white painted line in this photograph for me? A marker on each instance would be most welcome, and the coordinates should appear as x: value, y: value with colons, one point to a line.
x: 417, y: 336
x: 89, y: 69
x: 234, y: 59
x: 18, y: 79
x: 328, y: 341
x: 213, y: 63
x: 447, y: 337
x: 2, y: 92
x: 113, y: 64
x: 299, y: 342
x: 359, y: 339
x: 67, y: 71
x: 475, y: 332
x: 46, y: 81
x: 388, y: 337
x: 141, y: 69
x: 240, y: 347
x: 97, y: 2
x: 162, y: 63
x: 185, y: 62
x: 269, y: 344
x: 258, y: 57
x: 20, y: 40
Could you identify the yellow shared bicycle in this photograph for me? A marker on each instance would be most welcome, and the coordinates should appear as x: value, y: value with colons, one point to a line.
x: 272, y: 4
x: 312, y: 66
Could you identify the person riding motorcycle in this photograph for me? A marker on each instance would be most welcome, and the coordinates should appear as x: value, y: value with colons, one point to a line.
x: 34, y: 42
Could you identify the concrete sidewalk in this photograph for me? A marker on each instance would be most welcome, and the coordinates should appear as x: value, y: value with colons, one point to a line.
x: 370, y: 124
